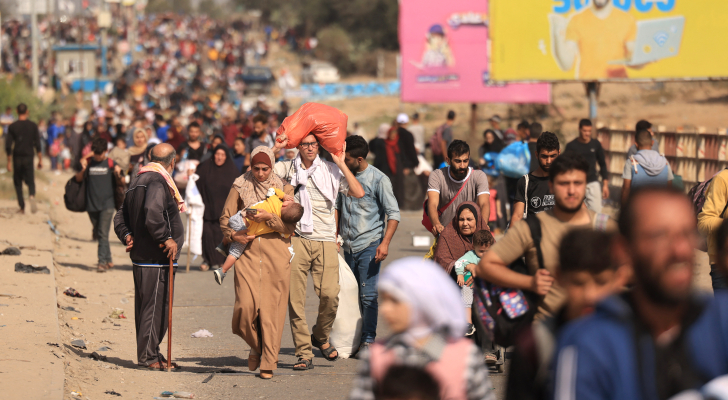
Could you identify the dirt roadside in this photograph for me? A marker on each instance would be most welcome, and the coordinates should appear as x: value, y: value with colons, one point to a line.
x: 71, y: 258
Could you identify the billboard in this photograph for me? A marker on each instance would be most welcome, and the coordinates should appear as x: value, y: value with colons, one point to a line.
x: 603, y: 40
x: 444, y: 48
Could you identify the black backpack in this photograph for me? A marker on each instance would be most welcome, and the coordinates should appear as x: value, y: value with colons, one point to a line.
x: 505, y: 330
x: 75, y: 196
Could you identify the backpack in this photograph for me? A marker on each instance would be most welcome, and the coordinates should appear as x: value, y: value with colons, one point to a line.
x: 697, y: 195
x: 504, y: 312
x: 75, y: 195
x: 75, y: 192
x: 436, y: 139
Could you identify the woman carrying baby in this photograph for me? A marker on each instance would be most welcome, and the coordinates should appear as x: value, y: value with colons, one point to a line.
x: 262, y: 273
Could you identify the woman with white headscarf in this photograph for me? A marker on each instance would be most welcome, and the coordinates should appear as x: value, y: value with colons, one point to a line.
x: 423, y: 309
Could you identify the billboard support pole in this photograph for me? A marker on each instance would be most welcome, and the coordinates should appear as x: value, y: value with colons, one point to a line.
x: 592, y: 90
x: 473, y: 118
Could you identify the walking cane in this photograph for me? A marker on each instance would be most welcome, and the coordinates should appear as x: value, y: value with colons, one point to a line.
x: 171, y: 293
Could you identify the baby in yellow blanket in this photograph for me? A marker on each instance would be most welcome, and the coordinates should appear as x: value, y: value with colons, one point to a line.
x: 276, y: 203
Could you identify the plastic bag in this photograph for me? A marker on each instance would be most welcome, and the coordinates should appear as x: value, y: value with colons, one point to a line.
x: 180, y: 176
x: 515, y: 160
x: 346, y: 332
x: 490, y: 164
x: 327, y: 123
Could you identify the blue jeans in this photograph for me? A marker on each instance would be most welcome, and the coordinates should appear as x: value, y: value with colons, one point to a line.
x: 717, y: 278
x: 366, y: 271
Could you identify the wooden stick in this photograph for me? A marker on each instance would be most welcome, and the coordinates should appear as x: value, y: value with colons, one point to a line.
x: 169, y: 329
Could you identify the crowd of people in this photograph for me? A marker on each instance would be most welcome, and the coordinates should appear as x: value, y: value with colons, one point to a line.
x: 595, y: 308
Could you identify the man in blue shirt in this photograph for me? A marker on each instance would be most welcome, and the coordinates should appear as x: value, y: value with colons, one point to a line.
x: 660, y: 338
x: 362, y: 228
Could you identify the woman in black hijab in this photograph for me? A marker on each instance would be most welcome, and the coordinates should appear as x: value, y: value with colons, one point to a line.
x: 216, y: 178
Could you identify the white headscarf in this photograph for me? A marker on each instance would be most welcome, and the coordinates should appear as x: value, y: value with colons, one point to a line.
x: 433, y: 297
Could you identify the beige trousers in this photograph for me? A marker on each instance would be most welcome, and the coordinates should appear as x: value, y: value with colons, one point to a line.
x: 321, y: 259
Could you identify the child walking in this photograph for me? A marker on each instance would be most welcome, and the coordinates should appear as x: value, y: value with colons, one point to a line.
x: 482, y: 240
x: 276, y: 203
x: 425, y: 314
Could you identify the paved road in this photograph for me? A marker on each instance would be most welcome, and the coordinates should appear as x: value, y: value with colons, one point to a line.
x: 201, y: 303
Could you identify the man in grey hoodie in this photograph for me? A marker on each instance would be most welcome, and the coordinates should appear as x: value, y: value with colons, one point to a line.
x: 646, y: 167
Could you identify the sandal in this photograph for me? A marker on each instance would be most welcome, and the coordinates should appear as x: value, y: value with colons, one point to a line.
x: 303, y: 364
x: 490, y: 358
x: 327, y: 351
x: 204, y: 267
x: 102, y: 267
x: 266, y: 374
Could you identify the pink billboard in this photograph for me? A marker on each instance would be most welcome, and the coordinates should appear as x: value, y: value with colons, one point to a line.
x: 444, y: 46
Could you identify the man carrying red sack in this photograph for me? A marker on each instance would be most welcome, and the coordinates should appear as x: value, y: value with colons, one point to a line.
x: 317, y: 183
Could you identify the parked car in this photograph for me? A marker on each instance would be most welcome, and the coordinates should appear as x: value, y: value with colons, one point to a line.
x: 319, y: 72
x: 257, y: 80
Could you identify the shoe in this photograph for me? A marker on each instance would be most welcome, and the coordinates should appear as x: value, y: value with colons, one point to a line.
x: 362, y: 347
x: 219, y: 275
x: 254, y: 362
x: 102, y: 267
x: 470, y: 330
x: 222, y: 249
x: 33, y: 205
x: 266, y: 374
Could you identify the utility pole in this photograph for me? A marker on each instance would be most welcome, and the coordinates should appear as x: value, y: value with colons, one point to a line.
x: 34, y: 39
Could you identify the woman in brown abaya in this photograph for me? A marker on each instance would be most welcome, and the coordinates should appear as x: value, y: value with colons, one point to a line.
x: 263, y: 272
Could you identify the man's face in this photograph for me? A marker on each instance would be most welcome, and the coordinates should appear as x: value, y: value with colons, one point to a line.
x: 353, y: 163
x: 569, y: 190
x: 585, y: 133
x: 308, y: 148
x: 194, y: 133
x: 259, y: 127
x: 459, y: 166
x: 495, y: 124
x: 664, y: 234
x: 584, y: 289
x: 546, y: 157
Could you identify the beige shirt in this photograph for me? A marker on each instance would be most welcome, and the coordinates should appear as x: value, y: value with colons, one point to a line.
x: 518, y: 242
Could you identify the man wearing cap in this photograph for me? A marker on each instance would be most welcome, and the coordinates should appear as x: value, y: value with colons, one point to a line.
x: 495, y: 121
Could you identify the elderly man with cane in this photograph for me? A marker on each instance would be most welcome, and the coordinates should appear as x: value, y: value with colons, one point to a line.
x: 150, y: 226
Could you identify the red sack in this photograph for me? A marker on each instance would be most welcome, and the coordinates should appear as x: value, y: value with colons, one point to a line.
x: 327, y: 123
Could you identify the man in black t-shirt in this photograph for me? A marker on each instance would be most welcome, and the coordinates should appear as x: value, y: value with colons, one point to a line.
x: 98, y: 170
x: 193, y: 148
x: 22, y: 141
x: 592, y: 151
x: 537, y: 197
